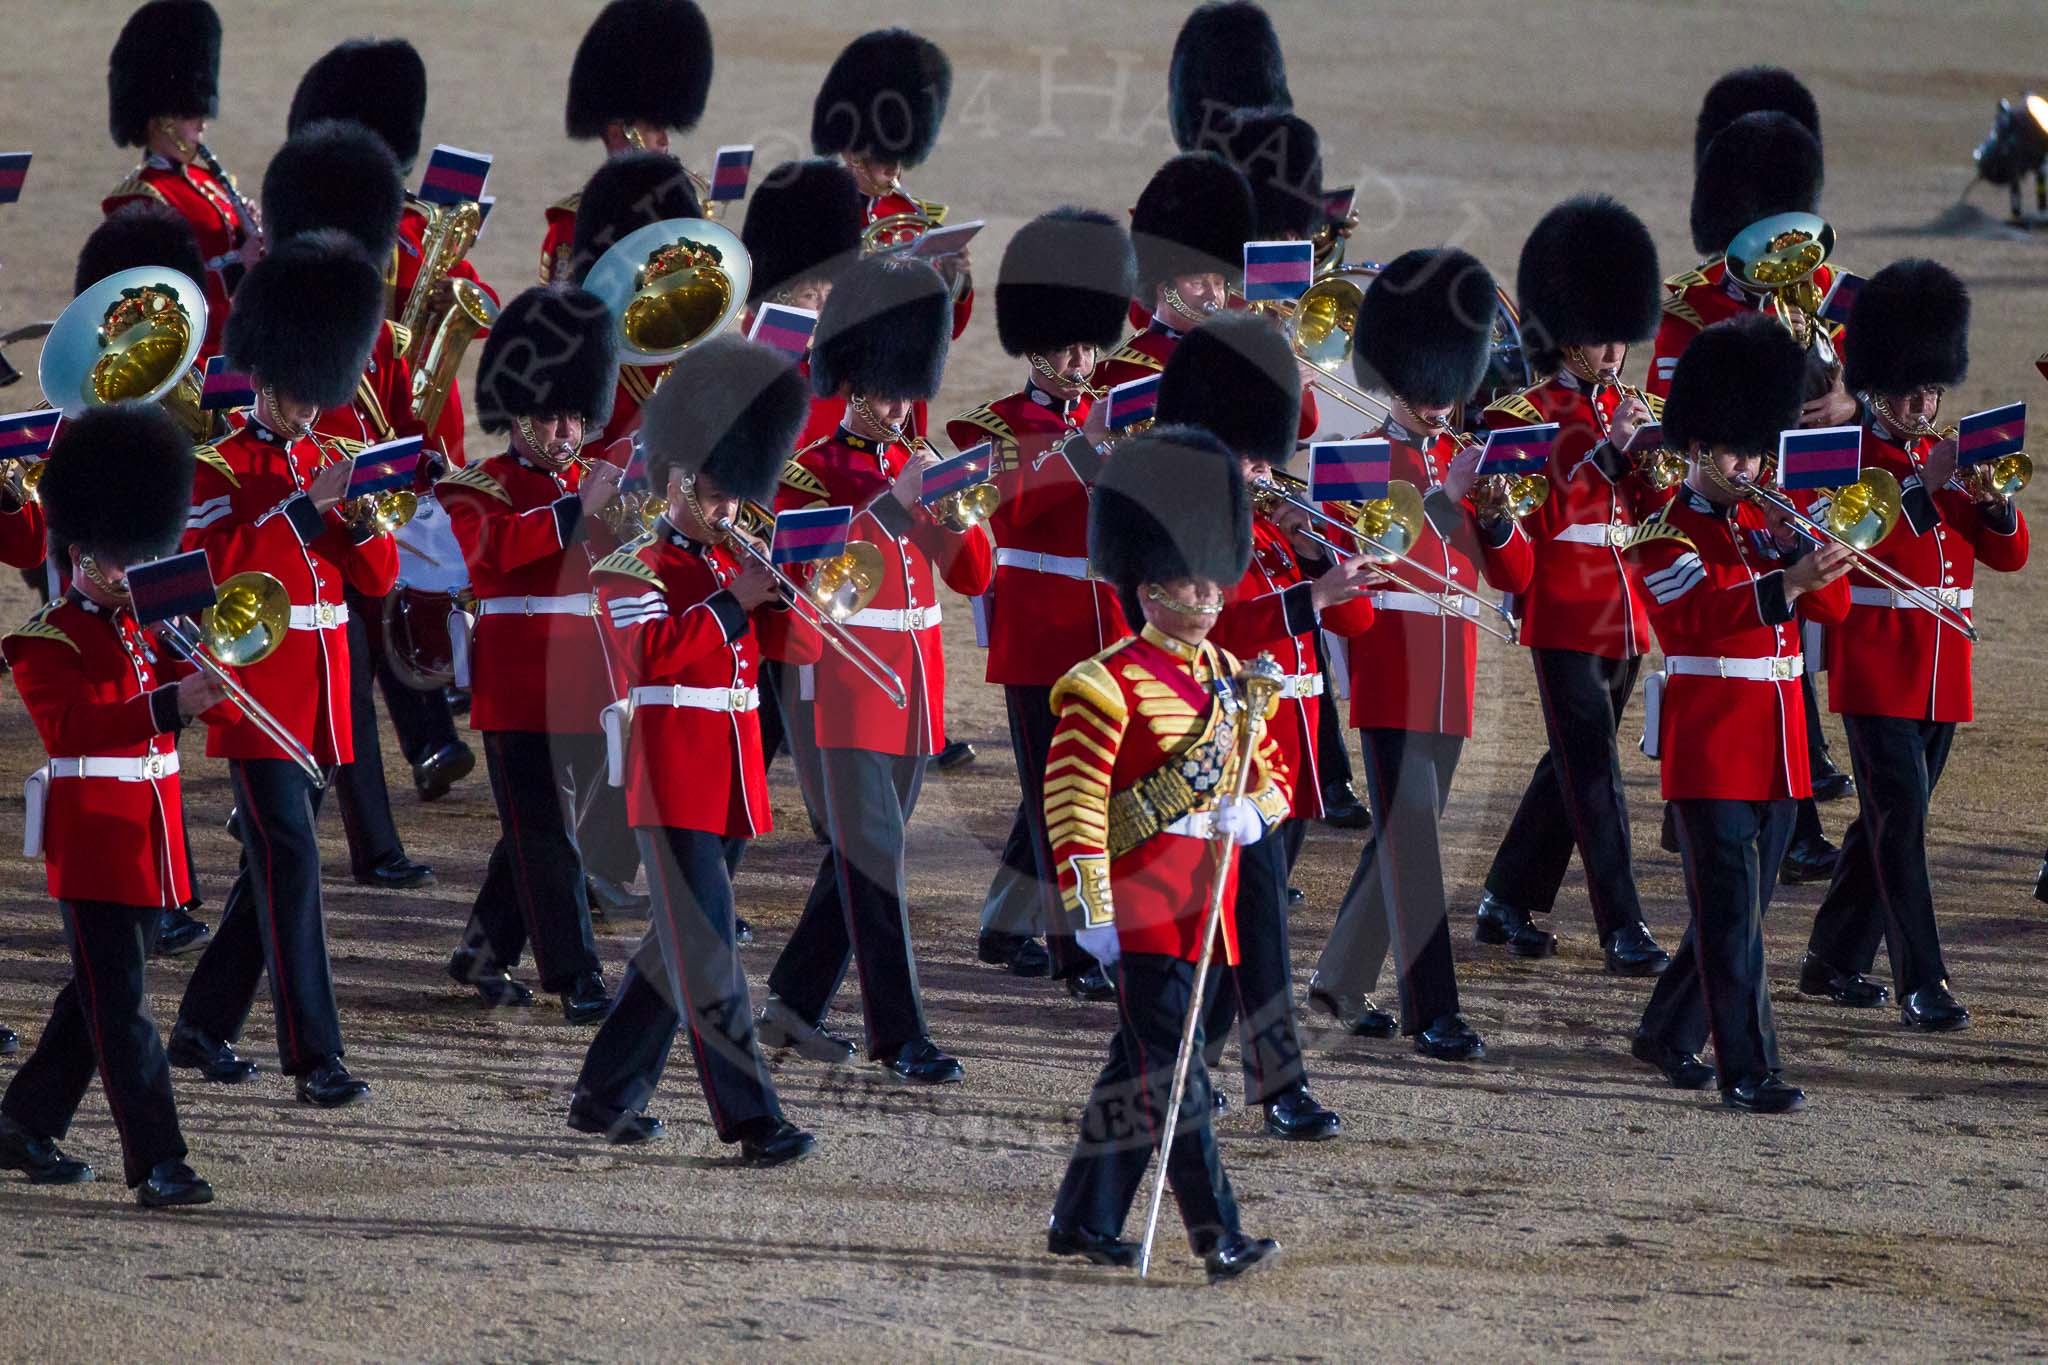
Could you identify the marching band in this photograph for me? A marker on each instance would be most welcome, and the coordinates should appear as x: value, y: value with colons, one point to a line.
x: 683, y: 552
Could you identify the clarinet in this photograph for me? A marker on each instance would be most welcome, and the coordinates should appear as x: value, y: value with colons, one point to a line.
x: 252, y: 222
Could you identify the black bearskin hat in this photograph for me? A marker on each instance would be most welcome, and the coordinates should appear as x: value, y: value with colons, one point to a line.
x: 1170, y: 504
x: 1588, y: 275
x: 1226, y: 58
x: 381, y: 83
x: 641, y: 61
x: 166, y: 62
x: 1067, y: 278
x: 733, y: 409
x: 140, y: 232
x: 1759, y: 165
x: 551, y: 351
x: 335, y: 174
x: 119, y: 483
x: 1752, y: 90
x: 306, y: 316
x: 1193, y: 218
x: 884, y: 97
x: 1282, y: 160
x: 627, y: 193
x: 1426, y: 327
x: 884, y: 331
x: 1909, y: 326
x: 1236, y: 378
x: 1738, y: 384
x: 803, y: 223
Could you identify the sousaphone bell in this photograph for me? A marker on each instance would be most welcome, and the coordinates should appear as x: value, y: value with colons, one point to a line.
x: 671, y: 284
x: 132, y: 337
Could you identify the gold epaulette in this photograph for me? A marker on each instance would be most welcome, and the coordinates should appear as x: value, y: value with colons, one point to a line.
x: 637, y: 383
x: 401, y: 337
x: 1090, y: 681
x: 626, y: 563
x: 1686, y: 279
x: 1676, y: 306
x: 136, y: 187
x: 37, y: 627
x: 476, y: 477
x: 210, y: 456
x: 1130, y: 354
x: 347, y: 445
x: 800, y: 480
x: 984, y: 418
x: 568, y: 203
x: 1517, y: 406
x: 1656, y: 406
x: 1657, y: 527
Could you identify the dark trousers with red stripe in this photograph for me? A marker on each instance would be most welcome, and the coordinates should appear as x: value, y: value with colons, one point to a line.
x: 533, y: 887
x: 1258, y: 993
x: 1574, y: 798
x: 687, y: 967
x: 1120, y: 1127
x: 360, y: 789
x: 1025, y: 898
x: 1716, y: 986
x: 101, y: 1022
x: 856, y: 906
x: 272, y: 923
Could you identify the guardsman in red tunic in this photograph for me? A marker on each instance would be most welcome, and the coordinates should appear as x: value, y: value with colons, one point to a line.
x: 108, y: 705
x: 691, y: 616
x: 641, y: 73
x: 270, y: 498
x: 1425, y: 334
x: 21, y: 531
x: 1728, y: 584
x: 163, y: 84
x: 529, y: 525
x: 1146, y: 743
x: 1189, y: 229
x: 878, y: 110
x: 1588, y: 274
x: 1060, y: 298
x: 1898, y: 678
x: 881, y: 343
x: 1235, y: 378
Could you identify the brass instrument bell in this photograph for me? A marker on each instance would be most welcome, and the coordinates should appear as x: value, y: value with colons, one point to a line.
x: 847, y: 582
x: 249, y: 619
x: 131, y: 337
x: 671, y: 284
x: 1393, y: 522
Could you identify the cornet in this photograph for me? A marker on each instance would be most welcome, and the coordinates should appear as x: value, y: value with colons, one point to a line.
x: 2001, y: 478
x: 1661, y: 467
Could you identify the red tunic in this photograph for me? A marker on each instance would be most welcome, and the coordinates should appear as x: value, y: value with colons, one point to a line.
x: 1122, y: 716
x: 852, y: 713
x: 448, y: 431
x: 1898, y: 660
x: 1417, y: 669
x: 1697, y: 299
x: 206, y: 204
x: 23, y: 544
x: 1717, y: 593
x: 96, y: 686
x: 248, y: 513
x: 1046, y: 613
x: 672, y: 623
x: 1269, y: 611
x: 1146, y: 353
x: 557, y: 244
x: 1584, y: 594
x: 544, y: 667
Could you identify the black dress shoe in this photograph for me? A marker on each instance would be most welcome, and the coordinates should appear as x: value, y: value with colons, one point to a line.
x: 493, y: 984
x: 1832, y: 784
x: 1219, y: 1102
x: 1764, y: 1094
x: 233, y: 824
x: 173, y: 1185
x: 329, y: 1086
x: 1092, y: 985
x: 742, y: 932
x: 1933, y: 1009
x: 38, y: 1157
x: 395, y: 873
x: 958, y: 754
x: 921, y: 1061
x: 624, y: 1129
x: 1450, y: 1039
x: 177, y: 933
x: 1296, y: 1117
x: 1342, y: 809
x: 1632, y: 952
x: 1236, y: 1254
x: 1667, y: 838
x: 1295, y: 896
x: 1817, y: 977
x: 434, y: 775
x: 587, y: 1000
x: 2041, y: 882
x: 779, y: 1143
x: 1017, y: 954
x: 1684, y: 1070
x: 1808, y: 860
x: 211, y: 1057
x: 10, y: 1041
x: 608, y: 897
x: 1498, y: 922
x: 779, y: 1027
x: 1357, y: 1015
x: 1091, y: 1246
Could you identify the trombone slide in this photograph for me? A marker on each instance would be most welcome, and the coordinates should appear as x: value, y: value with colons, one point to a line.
x: 871, y: 665
x: 1918, y: 594
x: 272, y: 728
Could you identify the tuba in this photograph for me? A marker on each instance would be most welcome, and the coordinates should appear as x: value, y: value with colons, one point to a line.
x: 669, y: 285
x: 132, y: 337
x: 1778, y: 257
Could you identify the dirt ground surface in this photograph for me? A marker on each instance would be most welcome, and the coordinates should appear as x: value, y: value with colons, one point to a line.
x: 1550, y: 1201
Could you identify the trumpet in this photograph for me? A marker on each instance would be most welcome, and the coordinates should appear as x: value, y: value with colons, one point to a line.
x: 1514, y: 496
x: 965, y: 508
x: 247, y: 622
x: 22, y: 480
x: 895, y: 231
x: 382, y: 513
x: 2000, y: 478
x: 1661, y: 468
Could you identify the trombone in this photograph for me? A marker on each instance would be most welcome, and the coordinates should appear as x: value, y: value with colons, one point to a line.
x: 1322, y: 332
x: 246, y: 624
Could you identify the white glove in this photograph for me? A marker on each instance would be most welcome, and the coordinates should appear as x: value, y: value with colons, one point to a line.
x: 1240, y: 819
x: 1100, y: 943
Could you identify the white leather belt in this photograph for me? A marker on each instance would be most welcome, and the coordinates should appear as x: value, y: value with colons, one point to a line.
x: 1198, y: 824
x: 320, y: 616
x: 876, y: 618
x: 1957, y: 598
x: 1611, y: 534
x: 575, y: 604
x: 1297, y: 686
x: 699, y: 698
x: 144, y: 769
x: 1782, y: 669
x: 1464, y: 605
x: 1065, y: 566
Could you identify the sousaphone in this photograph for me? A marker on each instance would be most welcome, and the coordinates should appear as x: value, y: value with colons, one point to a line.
x: 132, y: 337
x: 671, y: 284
